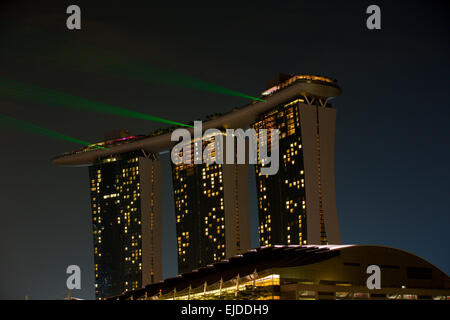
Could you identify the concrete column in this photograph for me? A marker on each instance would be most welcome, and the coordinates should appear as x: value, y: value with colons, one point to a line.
x: 150, y: 190
x: 308, y: 122
x: 327, y: 120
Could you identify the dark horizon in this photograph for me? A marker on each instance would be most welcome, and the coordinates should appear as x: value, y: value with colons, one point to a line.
x: 392, y: 174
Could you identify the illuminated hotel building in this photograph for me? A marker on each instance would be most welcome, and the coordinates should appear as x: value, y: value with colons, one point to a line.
x: 297, y: 205
x: 212, y: 212
x: 126, y: 214
x: 299, y: 257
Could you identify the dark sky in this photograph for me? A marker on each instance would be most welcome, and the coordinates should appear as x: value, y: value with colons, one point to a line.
x: 392, y: 138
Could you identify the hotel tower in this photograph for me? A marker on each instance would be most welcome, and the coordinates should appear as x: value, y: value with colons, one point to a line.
x: 212, y: 211
x: 297, y: 205
x: 126, y: 216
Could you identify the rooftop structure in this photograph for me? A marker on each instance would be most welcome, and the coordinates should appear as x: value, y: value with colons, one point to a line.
x: 297, y: 86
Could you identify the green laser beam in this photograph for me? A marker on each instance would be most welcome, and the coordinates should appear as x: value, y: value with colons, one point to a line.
x: 27, y: 126
x: 90, y: 58
x: 47, y: 96
x: 114, y: 63
x: 160, y: 75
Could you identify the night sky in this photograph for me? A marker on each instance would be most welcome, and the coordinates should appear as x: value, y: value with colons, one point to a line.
x: 392, y: 131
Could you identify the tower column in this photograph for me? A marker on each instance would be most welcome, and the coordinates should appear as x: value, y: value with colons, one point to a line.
x: 308, y: 120
x: 150, y: 190
x: 327, y: 120
x: 237, y: 215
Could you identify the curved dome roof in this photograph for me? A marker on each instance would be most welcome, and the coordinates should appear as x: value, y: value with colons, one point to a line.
x: 332, y: 264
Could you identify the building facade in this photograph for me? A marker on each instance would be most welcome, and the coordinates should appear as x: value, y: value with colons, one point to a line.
x: 297, y: 205
x: 212, y: 211
x: 126, y: 216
